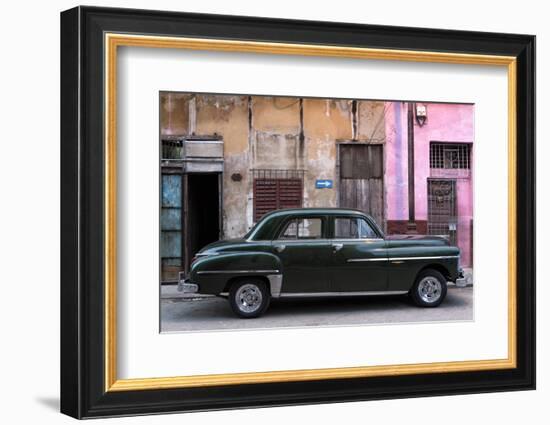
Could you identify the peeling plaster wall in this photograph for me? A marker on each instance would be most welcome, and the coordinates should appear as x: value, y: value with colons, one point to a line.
x: 325, y: 122
x: 370, y: 121
x: 228, y: 116
x: 275, y: 133
x: 395, y: 177
x: 263, y: 132
x: 279, y: 115
x: 174, y: 113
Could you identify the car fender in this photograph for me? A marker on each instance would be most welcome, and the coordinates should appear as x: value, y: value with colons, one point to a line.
x: 213, y: 272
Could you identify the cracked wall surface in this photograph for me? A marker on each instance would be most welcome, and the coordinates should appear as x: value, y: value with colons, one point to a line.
x: 289, y: 133
x: 265, y: 132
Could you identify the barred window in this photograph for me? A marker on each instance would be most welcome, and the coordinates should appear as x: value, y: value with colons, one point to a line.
x: 172, y: 149
x: 450, y: 155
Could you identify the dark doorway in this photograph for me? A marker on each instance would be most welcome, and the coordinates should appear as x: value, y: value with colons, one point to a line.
x: 203, y: 212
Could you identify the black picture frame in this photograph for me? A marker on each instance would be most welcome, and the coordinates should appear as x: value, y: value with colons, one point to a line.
x: 83, y: 392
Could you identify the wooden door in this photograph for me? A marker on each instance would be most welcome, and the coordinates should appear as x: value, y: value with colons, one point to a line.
x: 361, y: 179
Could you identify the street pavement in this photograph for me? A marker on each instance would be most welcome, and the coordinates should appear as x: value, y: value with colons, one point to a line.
x: 179, y: 314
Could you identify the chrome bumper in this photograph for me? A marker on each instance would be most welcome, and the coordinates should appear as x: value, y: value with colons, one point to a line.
x: 461, y: 280
x: 187, y: 287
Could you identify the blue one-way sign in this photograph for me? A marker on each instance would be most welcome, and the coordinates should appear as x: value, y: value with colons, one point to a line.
x: 323, y: 184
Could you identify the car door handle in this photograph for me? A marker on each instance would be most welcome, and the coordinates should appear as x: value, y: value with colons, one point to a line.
x: 337, y: 246
x: 280, y: 248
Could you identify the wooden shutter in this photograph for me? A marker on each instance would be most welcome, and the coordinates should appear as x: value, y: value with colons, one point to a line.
x: 274, y: 194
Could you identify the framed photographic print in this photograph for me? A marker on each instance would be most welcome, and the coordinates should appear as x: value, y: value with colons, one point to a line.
x: 261, y: 212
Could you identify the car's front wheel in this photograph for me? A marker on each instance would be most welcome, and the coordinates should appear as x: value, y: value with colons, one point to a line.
x: 429, y: 289
x: 249, y: 298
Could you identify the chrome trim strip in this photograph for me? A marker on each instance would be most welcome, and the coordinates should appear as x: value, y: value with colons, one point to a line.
x: 440, y: 257
x: 235, y: 271
x: 361, y: 260
x: 338, y: 294
x: 364, y: 260
x: 357, y: 239
x: 299, y: 241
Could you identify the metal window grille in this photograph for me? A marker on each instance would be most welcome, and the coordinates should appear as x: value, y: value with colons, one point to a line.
x: 172, y: 149
x: 276, y: 189
x: 450, y: 155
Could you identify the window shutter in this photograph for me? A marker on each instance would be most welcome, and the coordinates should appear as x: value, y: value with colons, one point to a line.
x: 274, y: 194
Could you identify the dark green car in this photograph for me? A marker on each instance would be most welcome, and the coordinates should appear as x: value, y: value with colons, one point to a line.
x: 322, y: 252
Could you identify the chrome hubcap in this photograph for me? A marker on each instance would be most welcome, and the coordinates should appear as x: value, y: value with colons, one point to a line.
x: 429, y: 289
x: 249, y: 298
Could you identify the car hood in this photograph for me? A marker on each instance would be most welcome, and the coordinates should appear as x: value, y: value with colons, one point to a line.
x: 416, y: 240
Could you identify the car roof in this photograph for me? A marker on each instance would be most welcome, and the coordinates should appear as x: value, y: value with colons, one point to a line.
x: 269, y: 223
x: 315, y: 211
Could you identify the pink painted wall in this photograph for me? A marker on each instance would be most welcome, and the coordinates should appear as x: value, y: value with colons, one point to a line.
x: 451, y: 123
x: 395, y: 177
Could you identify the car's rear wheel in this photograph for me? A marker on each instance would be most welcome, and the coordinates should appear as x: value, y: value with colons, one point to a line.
x: 429, y: 289
x: 249, y: 298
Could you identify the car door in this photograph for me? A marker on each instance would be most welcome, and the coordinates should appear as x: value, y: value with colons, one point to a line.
x: 359, y: 256
x: 304, y: 251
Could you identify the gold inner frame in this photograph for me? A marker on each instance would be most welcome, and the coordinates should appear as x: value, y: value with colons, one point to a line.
x: 113, y: 41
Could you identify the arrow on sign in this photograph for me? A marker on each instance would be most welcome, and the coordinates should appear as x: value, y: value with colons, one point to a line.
x: 323, y: 184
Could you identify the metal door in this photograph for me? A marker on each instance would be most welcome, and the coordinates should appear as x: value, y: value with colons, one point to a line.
x: 442, y: 211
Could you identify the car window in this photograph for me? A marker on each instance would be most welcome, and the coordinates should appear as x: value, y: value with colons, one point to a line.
x: 353, y: 228
x: 303, y: 228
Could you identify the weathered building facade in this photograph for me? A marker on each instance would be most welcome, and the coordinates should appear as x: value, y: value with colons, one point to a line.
x: 226, y: 160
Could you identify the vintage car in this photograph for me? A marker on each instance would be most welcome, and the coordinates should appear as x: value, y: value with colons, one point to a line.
x: 321, y: 252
